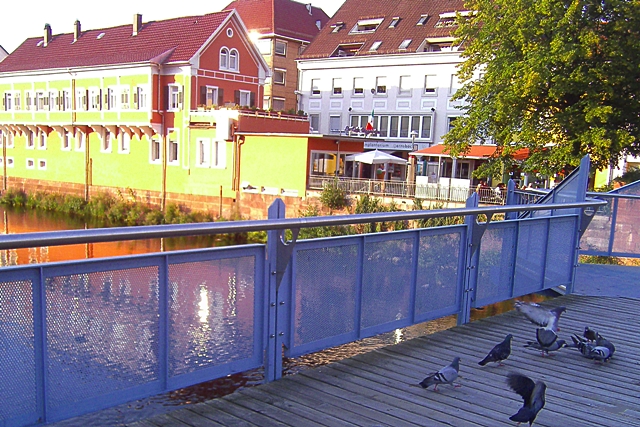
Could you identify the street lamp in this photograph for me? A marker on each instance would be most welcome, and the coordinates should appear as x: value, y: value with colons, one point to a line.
x: 414, y: 146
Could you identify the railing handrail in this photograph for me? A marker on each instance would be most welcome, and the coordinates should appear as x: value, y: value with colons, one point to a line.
x: 70, y: 237
x: 612, y: 195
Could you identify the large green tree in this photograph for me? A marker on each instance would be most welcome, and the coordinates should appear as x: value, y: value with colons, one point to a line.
x: 559, y: 77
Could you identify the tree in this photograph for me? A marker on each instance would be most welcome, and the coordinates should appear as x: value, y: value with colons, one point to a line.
x: 561, y: 78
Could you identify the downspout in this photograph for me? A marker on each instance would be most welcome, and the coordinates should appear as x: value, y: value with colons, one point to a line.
x: 239, y: 140
x: 163, y: 140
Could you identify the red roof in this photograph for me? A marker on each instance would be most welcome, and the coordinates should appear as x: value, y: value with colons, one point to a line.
x: 285, y: 18
x: 171, y: 40
x: 475, y: 152
x: 409, y: 13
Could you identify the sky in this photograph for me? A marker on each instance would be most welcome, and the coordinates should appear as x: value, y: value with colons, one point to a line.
x: 22, y: 19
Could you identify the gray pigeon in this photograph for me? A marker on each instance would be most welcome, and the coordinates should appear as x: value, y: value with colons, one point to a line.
x: 546, y: 341
x: 498, y: 353
x: 600, y: 351
x: 590, y: 334
x: 540, y: 316
x: 532, y: 393
x: 446, y: 375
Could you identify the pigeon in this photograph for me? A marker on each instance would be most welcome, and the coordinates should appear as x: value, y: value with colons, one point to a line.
x: 533, y: 395
x: 498, y: 353
x: 546, y: 341
x: 446, y: 375
x: 600, y: 351
x: 590, y: 334
x: 540, y: 316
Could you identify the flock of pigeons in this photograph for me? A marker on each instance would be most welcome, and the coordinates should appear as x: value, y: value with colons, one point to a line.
x: 591, y: 345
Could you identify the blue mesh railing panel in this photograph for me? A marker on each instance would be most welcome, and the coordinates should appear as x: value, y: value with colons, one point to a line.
x: 102, y: 333
x: 495, y: 264
x: 19, y: 402
x: 632, y: 189
x: 386, y: 280
x: 595, y: 240
x: 438, y: 274
x: 214, y: 316
x: 325, y: 293
x: 626, y: 238
x: 560, y: 251
x: 530, y: 256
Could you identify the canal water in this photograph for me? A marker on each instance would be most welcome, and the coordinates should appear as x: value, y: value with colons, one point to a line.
x: 29, y: 221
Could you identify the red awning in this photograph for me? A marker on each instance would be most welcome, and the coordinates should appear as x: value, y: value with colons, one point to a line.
x: 475, y: 152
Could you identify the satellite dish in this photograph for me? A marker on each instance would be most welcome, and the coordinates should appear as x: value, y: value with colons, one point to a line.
x: 373, y: 90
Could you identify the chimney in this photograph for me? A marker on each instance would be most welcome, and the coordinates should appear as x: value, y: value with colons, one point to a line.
x: 47, y: 34
x: 76, y: 31
x: 137, y: 23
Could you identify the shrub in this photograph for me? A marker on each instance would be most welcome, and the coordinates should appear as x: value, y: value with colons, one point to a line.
x: 332, y: 196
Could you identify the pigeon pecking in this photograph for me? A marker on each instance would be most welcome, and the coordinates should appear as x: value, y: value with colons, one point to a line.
x: 446, y: 375
x: 546, y: 341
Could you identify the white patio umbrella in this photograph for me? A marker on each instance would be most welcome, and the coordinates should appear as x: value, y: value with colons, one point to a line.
x: 376, y: 157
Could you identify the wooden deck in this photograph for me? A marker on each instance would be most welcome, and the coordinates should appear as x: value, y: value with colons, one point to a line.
x: 380, y: 388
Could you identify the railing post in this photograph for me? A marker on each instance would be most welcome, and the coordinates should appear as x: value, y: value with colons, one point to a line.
x: 279, y: 255
x: 511, y: 199
x: 471, y: 255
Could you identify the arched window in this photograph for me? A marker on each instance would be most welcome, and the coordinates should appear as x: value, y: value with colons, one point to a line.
x: 224, y: 58
x: 233, y: 60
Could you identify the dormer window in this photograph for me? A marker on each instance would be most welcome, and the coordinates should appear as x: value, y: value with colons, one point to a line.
x: 350, y: 49
x: 405, y: 44
x: 423, y: 19
x: 375, y: 46
x: 448, y: 19
x: 365, y: 26
x: 394, y: 22
x: 337, y: 27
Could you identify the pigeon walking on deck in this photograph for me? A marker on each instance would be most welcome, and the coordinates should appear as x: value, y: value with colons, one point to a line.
x: 446, y: 375
x: 546, y: 341
x: 590, y: 334
x: 601, y: 350
x: 533, y: 394
x: 541, y: 316
x: 499, y: 352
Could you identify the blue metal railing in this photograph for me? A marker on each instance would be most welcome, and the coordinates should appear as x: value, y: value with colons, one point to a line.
x: 84, y: 335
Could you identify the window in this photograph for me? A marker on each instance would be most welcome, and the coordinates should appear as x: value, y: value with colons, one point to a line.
x: 264, y: 46
x: 172, y: 147
x: 106, y: 142
x: 334, y: 124
x: 112, y: 98
x: 365, y: 26
x: 314, y: 122
x: 209, y: 96
x: 278, y: 104
x: 279, y: 76
x: 394, y: 22
x: 265, y: 102
x: 381, y: 85
x: 30, y: 99
x: 81, y: 100
x: 65, y: 103
x: 95, y: 99
x: 315, y: 87
x: 404, y: 88
x: 397, y: 126
x: 81, y: 139
x: 124, y: 143
x: 42, y: 140
x: 9, y: 139
x: 244, y: 98
x: 450, y: 122
x: 8, y: 101
x: 30, y: 164
x: 229, y: 59
x: 422, y: 20
x: 348, y: 49
x: 16, y: 101
x: 42, y: 164
x: 337, y: 86
x: 454, y: 85
x: 430, y: 87
x: 140, y: 98
x: 124, y: 97
x: 337, y: 27
x: 154, y: 150
x: 175, y: 98
x: 204, y: 152
x: 54, y: 100
x: 219, y: 154
x: 42, y: 101
x: 10, y: 162
x: 66, y: 140
x: 281, y: 48
x: 425, y: 127
x: 375, y: 46
x: 405, y: 44
x: 358, y: 86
